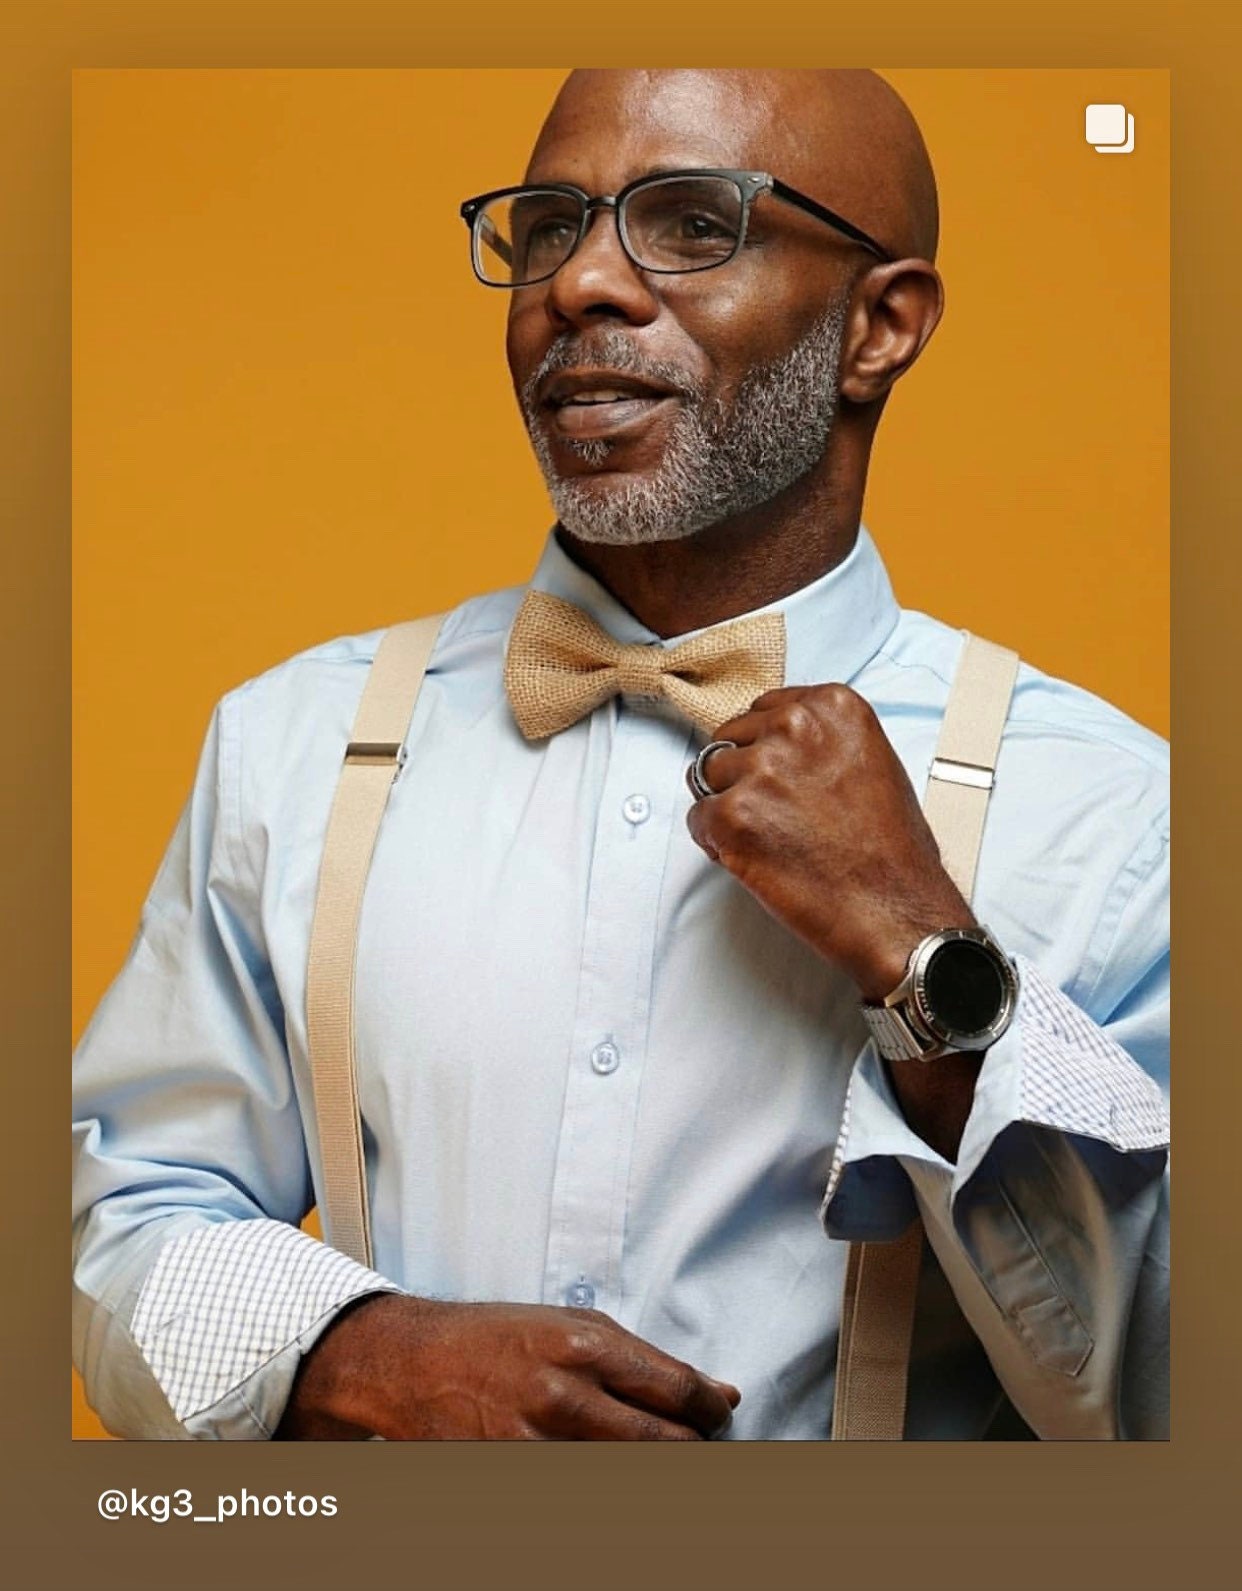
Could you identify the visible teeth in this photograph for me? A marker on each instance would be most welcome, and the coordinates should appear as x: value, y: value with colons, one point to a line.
x: 602, y: 395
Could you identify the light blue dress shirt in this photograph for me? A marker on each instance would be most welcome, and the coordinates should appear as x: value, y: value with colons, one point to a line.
x: 594, y: 1071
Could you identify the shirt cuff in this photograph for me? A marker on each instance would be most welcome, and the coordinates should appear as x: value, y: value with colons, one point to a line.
x: 1053, y: 1068
x: 227, y: 1312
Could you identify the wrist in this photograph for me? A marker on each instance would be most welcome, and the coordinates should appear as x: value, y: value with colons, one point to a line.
x: 886, y: 959
x: 332, y: 1395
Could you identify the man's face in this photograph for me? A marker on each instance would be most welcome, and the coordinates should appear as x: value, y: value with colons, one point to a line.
x: 723, y: 382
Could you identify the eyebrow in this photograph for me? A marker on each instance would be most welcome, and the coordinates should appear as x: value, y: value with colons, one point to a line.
x: 664, y: 170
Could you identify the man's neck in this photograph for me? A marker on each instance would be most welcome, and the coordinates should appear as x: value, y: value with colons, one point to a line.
x: 730, y: 568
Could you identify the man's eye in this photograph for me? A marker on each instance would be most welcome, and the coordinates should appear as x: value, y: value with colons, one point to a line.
x: 549, y: 234
x: 696, y: 224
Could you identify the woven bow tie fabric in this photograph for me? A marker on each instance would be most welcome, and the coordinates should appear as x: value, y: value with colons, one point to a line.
x: 561, y: 665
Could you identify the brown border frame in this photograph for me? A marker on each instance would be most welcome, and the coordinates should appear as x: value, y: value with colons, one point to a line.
x: 1081, y: 1515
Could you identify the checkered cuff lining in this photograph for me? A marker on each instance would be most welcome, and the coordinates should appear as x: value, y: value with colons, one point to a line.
x: 838, y: 1154
x: 223, y: 1300
x: 1075, y: 1079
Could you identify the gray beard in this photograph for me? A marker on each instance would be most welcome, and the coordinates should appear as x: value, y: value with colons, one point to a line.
x: 720, y: 459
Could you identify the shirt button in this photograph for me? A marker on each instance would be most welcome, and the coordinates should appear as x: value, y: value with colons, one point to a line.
x: 605, y: 1057
x: 582, y: 1295
x: 637, y: 809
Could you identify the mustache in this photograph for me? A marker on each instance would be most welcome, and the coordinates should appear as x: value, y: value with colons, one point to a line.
x: 613, y: 350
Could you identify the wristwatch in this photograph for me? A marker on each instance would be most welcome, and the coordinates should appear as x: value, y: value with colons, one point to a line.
x: 958, y: 994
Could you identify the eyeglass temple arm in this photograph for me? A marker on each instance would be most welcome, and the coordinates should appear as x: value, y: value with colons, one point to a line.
x: 812, y: 207
x: 489, y: 235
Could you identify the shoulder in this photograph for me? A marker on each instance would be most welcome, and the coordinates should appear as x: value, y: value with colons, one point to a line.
x: 282, y: 732
x: 917, y: 665
x: 335, y: 671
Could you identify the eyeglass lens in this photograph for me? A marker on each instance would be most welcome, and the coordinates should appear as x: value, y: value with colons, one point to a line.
x: 668, y: 224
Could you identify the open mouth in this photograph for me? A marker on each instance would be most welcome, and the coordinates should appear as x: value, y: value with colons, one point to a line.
x: 602, y: 403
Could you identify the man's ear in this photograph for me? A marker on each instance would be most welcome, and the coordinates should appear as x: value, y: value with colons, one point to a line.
x: 895, y: 310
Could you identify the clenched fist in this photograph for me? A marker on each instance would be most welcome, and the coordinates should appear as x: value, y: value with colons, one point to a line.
x: 815, y: 815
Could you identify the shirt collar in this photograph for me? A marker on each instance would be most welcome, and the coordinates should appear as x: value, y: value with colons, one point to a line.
x: 833, y: 627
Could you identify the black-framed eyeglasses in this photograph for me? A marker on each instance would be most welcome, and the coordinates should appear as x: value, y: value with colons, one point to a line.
x: 670, y: 222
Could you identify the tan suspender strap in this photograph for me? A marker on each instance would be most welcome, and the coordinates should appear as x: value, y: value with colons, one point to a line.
x: 366, y: 777
x: 877, y: 1323
x: 956, y: 800
x: 881, y: 1279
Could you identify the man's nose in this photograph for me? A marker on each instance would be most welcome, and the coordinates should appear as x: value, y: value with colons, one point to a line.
x: 600, y: 280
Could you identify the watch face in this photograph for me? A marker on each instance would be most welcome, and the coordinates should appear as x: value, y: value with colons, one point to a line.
x: 962, y: 987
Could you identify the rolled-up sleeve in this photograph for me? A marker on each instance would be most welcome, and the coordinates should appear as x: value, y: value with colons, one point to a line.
x: 1052, y: 1226
x: 195, y: 1294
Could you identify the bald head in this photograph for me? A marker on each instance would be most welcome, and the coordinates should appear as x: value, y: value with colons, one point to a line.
x: 845, y: 138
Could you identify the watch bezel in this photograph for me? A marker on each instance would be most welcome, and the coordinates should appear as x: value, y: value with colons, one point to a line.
x: 957, y: 1038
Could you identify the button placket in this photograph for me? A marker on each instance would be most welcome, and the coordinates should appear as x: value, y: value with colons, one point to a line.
x: 595, y: 1147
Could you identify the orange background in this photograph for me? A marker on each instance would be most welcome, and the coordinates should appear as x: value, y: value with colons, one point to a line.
x: 292, y: 420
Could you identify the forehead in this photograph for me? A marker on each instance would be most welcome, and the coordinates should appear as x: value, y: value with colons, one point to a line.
x: 607, y: 128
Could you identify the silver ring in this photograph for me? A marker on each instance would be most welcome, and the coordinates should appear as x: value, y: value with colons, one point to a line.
x: 697, y: 771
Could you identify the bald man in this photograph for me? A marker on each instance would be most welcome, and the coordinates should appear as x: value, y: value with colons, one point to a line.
x: 637, y: 1049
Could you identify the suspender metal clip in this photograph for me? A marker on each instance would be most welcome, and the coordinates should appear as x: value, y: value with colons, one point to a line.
x: 374, y: 751
x: 963, y: 773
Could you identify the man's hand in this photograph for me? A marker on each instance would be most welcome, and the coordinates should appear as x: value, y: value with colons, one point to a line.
x: 411, y: 1368
x: 814, y: 814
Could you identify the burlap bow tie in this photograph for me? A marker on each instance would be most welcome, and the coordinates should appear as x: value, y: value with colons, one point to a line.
x: 560, y: 666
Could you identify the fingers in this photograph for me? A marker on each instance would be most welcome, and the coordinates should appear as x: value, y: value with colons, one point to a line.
x: 813, y: 719
x: 746, y: 727
x: 661, y: 1385
x: 725, y: 766
x: 742, y: 730
x: 720, y: 770
x: 599, y: 1417
x: 779, y: 697
x: 793, y: 709
x: 609, y: 1385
